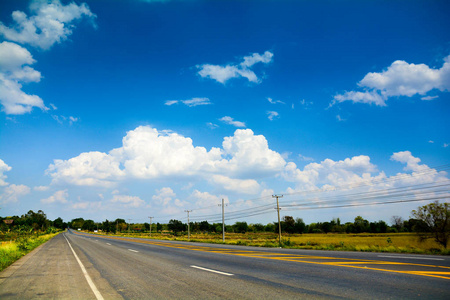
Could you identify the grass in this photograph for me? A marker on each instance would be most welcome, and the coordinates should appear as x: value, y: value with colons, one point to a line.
x: 12, y: 251
x: 364, y: 242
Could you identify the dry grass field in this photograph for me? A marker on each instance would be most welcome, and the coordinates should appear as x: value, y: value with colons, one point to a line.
x: 384, y: 242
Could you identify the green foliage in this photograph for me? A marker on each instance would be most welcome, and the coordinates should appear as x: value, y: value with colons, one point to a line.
x: 436, y: 218
x: 176, y: 226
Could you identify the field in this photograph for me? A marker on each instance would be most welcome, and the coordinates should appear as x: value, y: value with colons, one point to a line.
x: 366, y: 242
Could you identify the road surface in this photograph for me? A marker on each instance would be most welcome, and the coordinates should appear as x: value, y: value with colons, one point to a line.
x: 82, y: 266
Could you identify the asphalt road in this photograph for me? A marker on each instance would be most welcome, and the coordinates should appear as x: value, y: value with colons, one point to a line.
x: 116, y: 268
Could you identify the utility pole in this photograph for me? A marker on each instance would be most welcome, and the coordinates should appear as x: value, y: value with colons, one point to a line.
x: 278, y: 210
x: 150, y: 225
x: 223, y: 220
x: 189, y: 232
x: 129, y: 225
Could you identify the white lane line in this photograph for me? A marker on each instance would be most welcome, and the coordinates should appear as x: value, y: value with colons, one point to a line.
x: 407, y: 257
x: 133, y: 250
x: 85, y: 273
x: 213, y: 271
x: 108, y: 244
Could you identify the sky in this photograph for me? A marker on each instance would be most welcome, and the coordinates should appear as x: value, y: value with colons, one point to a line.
x: 136, y: 109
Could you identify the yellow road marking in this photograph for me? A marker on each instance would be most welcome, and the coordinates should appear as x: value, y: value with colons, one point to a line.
x: 318, y: 260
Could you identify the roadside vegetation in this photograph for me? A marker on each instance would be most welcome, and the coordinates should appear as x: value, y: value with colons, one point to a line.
x: 20, y: 235
x: 426, y: 233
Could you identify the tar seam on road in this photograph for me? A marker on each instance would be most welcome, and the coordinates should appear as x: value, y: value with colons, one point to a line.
x: 86, y: 275
x: 213, y: 271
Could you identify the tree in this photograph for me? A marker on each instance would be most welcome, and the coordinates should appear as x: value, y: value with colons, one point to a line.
x: 288, y: 224
x: 176, y: 226
x: 59, y: 223
x: 436, y: 216
x: 397, y: 222
x: 300, y: 226
x: 240, y: 227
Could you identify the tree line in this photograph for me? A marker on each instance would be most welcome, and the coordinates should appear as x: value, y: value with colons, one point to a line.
x: 31, y: 222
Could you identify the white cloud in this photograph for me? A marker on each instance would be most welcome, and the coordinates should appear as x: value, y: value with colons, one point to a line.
x: 241, y: 186
x: 3, y: 168
x: 429, y: 98
x: 191, y: 102
x: 357, y: 171
x: 128, y: 201
x: 164, y: 196
x: 368, y: 97
x: 347, y: 171
x: 59, y: 196
x: 13, y: 73
x: 230, y: 121
x: 445, y: 145
x: 224, y: 73
x: 171, y: 102
x: 41, y: 188
x: 50, y: 23
x: 305, y: 158
x: 275, y: 101
x: 89, y: 168
x: 148, y: 154
x: 13, y: 192
x: 271, y: 115
x: 400, y: 79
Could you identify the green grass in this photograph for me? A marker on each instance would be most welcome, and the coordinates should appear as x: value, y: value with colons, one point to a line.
x: 12, y: 251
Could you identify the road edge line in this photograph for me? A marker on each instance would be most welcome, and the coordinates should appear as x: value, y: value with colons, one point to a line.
x: 85, y: 273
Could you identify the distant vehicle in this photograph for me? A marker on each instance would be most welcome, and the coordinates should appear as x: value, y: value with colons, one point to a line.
x: 79, y: 228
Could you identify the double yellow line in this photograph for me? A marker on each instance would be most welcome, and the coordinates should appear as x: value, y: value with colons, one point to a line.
x: 384, y: 266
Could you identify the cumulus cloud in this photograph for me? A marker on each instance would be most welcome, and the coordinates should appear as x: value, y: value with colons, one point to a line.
x: 224, y: 73
x: 128, y: 201
x: 50, y: 23
x: 13, y: 192
x: 330, y: 172
x: 399, y: 79
x: 3, y: 168
x: 230, y: 121
x: 89, y: 168
x: 358, y: 170
x: 244, y: 186
x: 59, y: 196
x: 147, y: 153
x: 14, y: 71
x: 191, y: 102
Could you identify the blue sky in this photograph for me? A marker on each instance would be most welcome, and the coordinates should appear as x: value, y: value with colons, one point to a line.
x: 138, y: 108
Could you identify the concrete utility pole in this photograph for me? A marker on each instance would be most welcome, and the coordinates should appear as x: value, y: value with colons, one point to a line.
x: 150, y: 225
x: 278, y: 210
x: 189, y: 231
x: 223, y: 220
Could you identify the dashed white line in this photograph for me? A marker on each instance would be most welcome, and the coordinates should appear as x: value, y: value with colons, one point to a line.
x: 410, y: 257
x: 133, y: 250
x: 213, y: 271
x: 108, y: 244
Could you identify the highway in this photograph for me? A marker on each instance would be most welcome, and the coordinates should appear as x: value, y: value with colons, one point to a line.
x: 76, y: 265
